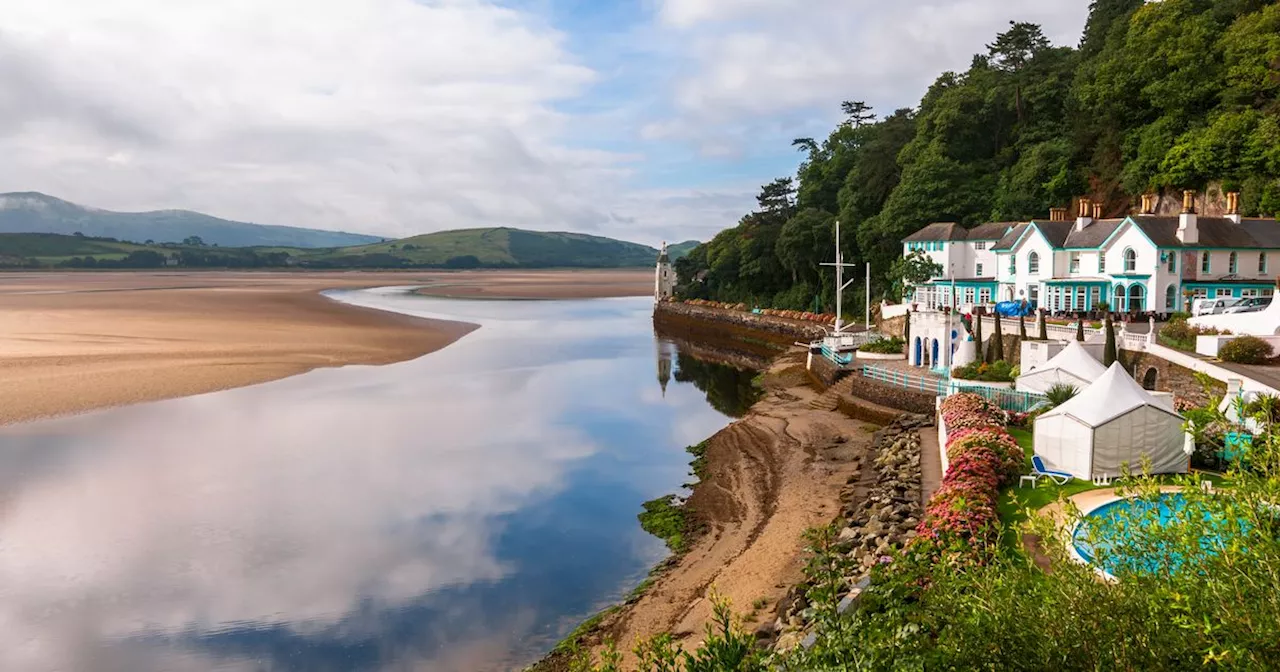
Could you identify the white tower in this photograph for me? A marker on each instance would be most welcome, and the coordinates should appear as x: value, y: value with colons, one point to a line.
x: 664, y: 283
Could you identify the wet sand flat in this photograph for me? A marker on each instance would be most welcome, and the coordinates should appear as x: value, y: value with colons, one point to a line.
x: 74, y: 342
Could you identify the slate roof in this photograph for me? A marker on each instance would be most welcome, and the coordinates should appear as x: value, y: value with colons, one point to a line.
x: 1217, y: 232
x: 938, y: 231
x: 990, y: 230
x: 1008, y: 239
x: 1093, y: 235
x: 1056, y: 232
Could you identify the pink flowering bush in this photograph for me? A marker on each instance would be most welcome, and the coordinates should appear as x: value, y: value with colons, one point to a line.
x: 1007, y: 458
x: 982, y: 457
x: 970, y: 410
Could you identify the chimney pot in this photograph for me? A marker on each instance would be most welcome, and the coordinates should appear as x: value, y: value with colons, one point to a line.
x: 1233, y: 202
x: 1097, y: 211
x: 1188, y: 201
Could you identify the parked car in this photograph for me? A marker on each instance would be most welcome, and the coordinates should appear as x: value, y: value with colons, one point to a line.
x: 1212, y: 306
x: 1252, y: 304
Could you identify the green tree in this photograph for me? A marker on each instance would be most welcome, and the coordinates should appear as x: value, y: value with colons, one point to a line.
x: 914, y: 269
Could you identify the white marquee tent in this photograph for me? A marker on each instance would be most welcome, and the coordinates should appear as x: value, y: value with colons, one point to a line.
x: 1111, y: 422
x: 1073, y: 366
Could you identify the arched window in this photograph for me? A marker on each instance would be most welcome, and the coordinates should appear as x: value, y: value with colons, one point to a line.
x: 1117, y: 306
x: 1232, y: 263
x: 1262, y: 263
x: 1170, y: 298
x: 1204, y: 262
x: 1130, y: 260
x: 1033, y: 264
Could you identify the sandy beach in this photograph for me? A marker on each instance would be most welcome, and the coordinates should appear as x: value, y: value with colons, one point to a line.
x: 74, y: 342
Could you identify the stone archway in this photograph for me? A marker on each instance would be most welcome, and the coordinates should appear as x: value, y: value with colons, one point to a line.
x: 1149, y: 379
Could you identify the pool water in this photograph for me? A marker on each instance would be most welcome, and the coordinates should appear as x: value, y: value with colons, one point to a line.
x: 1124, y: 536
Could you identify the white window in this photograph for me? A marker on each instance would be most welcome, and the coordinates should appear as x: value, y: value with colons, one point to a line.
x: 1232, y: 263
x: 1200, y: 293
x: 980, y: 245
x: 984, y: 295
x: 978, y: 269
x: 968, y: 295
x: 1080, y: 298
x: 1075, y: 262
x: 1173, y: 261
x: 1130, y: 260
x: 1013, y: 265
x: 1033, y: 294
x: 1204, y: 262
x: 1102, y: 261
x: 1262, y: 263
x: 1247, y: 293
x: 1222, y: 292
x: 1033, y: 264
x: 1268, y: 291
x: 1170, y: 297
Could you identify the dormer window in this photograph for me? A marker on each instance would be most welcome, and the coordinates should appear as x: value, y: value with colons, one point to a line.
x: 1130, y: 260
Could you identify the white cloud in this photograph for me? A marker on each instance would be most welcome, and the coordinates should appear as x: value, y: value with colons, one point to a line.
x: 392, y: 116
x: 751, y: 63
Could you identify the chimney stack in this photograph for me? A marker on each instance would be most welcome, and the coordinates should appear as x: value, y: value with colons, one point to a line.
x: 1084, y: 216
x: 1188, y: 226
x: 1057, y: 214
x: 1233, y: 206
x: 1148, y: 204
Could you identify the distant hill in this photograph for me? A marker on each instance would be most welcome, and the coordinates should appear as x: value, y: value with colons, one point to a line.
x: 492, y: 248
x: 33, y: 212
x: 466, y: 248
x: 680, y: 249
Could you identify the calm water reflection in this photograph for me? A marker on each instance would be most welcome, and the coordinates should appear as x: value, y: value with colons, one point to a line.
x: 458, y: 512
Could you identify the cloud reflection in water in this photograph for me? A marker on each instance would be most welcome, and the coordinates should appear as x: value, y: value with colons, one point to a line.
x: 454, y: 512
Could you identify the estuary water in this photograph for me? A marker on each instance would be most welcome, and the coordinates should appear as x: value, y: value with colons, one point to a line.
x: 462, y: 511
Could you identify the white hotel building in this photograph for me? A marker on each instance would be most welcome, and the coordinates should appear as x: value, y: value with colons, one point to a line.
x: 1143, y: 263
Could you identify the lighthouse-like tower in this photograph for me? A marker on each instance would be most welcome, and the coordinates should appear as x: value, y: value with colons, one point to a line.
x: 664, y: 277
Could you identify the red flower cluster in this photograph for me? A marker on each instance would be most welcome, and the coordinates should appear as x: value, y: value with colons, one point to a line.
x: 982, y: 457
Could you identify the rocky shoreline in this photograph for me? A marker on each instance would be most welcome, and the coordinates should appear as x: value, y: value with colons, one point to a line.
x: 880, y: 508
x: 792, y: 464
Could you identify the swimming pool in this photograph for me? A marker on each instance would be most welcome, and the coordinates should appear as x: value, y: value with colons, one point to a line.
x: 1124, y: 536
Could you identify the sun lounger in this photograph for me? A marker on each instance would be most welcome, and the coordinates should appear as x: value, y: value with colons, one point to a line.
x: 1059, y: 477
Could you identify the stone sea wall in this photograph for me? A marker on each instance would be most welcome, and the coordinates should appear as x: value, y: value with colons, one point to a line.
x: 722, y: 323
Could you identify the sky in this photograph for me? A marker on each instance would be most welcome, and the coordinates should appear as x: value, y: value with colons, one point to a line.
x: 645, y: 120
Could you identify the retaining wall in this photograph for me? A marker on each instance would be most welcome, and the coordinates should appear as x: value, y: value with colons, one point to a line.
x: 718, y: 322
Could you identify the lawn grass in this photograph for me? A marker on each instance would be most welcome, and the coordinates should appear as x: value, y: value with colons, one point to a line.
x: 1014, y: 502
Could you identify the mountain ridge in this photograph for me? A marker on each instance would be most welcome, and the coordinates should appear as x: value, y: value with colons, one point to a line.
x: 36, y: 212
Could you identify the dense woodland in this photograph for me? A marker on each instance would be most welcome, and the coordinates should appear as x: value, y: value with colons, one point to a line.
x: 1164, y: 95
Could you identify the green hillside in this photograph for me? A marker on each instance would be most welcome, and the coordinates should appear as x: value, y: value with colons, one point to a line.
x: 679, y: 250
x: 492, y: 248
x: 33, y: 212
x: 465, y: 248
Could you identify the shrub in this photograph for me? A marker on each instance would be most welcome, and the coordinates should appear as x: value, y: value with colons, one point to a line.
x: 885, y: 346
x: 1008, y: 458
x: 1245, y: 350
x: 958, y: 409
x: 1181, y: 335
x: 996, y: 372
x: 1060, y: 393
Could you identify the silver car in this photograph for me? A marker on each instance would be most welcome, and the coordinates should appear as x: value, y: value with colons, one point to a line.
x: 1252, y: 304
